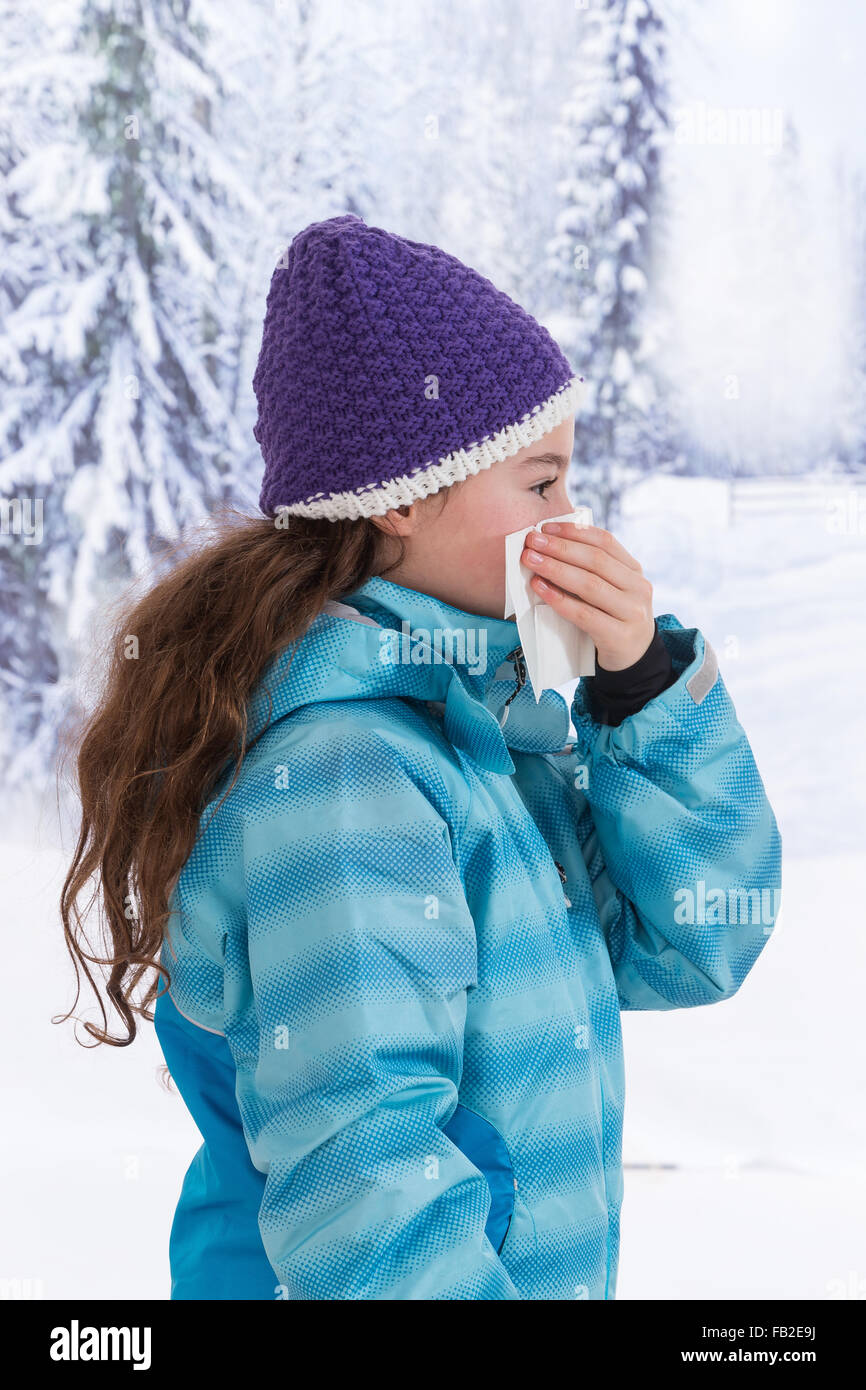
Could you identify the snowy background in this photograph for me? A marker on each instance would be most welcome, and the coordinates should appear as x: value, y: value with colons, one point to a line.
x: 678, y: 192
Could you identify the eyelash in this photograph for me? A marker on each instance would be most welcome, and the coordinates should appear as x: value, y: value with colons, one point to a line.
x: 548, y: 482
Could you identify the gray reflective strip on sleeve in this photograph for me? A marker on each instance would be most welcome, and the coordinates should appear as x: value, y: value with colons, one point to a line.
x: 702, y: 682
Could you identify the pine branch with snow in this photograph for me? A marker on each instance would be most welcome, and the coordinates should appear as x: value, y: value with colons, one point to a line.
x: 121, y: 211
x: 601, y: 257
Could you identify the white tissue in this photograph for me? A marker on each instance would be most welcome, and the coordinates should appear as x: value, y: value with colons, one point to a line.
x: 555, y: 650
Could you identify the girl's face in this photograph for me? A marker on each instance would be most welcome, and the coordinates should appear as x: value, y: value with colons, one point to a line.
x: 456, y: 551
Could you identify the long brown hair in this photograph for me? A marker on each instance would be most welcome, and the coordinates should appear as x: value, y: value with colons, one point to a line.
x: 180, y: 665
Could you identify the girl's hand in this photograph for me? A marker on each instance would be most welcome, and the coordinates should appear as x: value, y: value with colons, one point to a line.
x: 589, y: 578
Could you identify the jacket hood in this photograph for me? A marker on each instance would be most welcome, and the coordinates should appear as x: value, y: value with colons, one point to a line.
x: 384, y: 640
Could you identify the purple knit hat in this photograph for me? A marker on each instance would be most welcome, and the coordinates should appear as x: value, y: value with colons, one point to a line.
x: 389, y: 369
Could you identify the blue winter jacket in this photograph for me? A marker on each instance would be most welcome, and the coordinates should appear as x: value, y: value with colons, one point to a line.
x: 400, y: 948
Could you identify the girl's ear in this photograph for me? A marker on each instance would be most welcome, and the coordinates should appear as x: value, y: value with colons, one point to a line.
x: 400, y: 521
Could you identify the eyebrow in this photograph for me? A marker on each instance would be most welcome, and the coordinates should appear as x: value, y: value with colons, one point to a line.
x: 546, y: 461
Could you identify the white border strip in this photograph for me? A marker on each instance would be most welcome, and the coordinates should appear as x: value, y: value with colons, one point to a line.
x: 376, y: 499
x: 345, y: 610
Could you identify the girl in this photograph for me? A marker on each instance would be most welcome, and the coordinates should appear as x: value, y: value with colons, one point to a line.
x: 396, y: 910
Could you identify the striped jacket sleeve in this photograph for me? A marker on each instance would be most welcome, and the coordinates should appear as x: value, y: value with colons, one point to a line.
x: 679, y: 838
x: 361, y: 951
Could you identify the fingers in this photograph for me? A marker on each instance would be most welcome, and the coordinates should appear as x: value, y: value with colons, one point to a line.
x: 587, y: 584
x: 606, y: 632
x: 603, y: 545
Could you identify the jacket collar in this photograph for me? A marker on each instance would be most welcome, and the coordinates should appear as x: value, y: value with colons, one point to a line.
x: 425, y: 629
x: 386, y: 640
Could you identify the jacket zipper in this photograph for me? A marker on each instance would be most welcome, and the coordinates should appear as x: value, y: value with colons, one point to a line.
x: 518, y: 660
x: 562, y: 875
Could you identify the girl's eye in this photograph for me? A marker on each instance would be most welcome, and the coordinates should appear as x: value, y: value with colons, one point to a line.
x: 548, y: 482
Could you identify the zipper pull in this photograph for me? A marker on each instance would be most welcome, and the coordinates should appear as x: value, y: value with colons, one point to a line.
x: 519, y: 662
x: 562, y: 876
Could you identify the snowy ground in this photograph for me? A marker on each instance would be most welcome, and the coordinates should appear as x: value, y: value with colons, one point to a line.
x: 759, y: 1102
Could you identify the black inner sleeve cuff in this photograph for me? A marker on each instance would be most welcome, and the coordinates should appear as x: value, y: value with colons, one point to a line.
x: 613, y: 695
